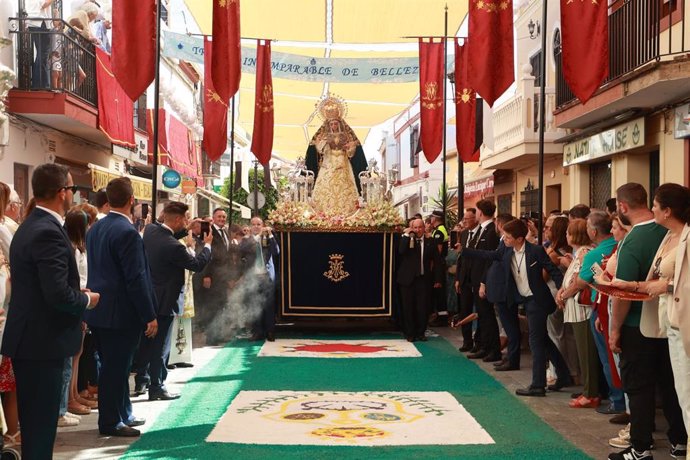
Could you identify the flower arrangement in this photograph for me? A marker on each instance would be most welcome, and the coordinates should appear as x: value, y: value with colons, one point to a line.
x: 378, y: 215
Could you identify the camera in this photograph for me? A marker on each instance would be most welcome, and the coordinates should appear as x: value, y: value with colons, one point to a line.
x: 205, y: 228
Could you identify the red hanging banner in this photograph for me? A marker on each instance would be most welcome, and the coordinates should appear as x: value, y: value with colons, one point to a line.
x: 585, y: 32
x: 226, y: 64
x: 115, y: 109
x: 215, y: 112
x: 465, y: 107
x: 491, y: 65
x: 431, y: 77
x: 262, y: 138
x: 134, y: 45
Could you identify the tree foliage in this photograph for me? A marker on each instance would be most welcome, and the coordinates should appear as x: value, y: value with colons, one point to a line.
x: 240, y: 195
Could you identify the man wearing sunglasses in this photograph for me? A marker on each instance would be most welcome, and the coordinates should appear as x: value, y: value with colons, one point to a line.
x: 44, y: 318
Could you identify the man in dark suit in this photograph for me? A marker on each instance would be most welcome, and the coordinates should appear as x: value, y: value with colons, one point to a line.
x: 462, y: 280
x: 216, y: 275
x: 486, y: 239
x: 523, y: 264
x: 168, y: 259
x: 419, y: 269
x: 119, y: 271
x: 44, y: 318
x: 258, y: 252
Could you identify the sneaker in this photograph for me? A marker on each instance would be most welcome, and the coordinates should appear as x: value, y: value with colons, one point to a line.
x: 67, y: 421
x: 631, y: 454
x: 620, y: 442
x: 71, y: 415
x: 679, y: 450
x: 625, y: 432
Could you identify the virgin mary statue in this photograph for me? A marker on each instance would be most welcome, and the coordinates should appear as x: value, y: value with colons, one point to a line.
x: 336, y: 157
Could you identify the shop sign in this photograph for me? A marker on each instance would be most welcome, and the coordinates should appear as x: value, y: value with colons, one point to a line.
x: 623, y: 137
x: 480, y: 187
x: 137, y: 154
x: 171, y: 178
x: 681, y: 125
x: 188, y: 187
x: 100, y: 179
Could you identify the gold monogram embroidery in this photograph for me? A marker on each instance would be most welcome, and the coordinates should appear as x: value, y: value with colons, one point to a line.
x: 336, y: 272
x: 465, y: 96
x: 215, y: 97
x: 431, y: 99
x: 266, y: 101
x: 224, y: 3
x: 492, y: 7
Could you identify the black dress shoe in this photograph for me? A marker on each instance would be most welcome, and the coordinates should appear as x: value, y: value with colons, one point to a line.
x: 136, y: 421
x: 422, y: 338
x: 270, y: 337
x: 481, y: 354
x: 500, y: 363
x: 558, y: 385
x: 410, y: 338
x: 171, y: 366
x: 492, y: 358
x: 465, y: 348
x: 475, y: 348
x: 140, y: 389
x: 506, y: 367
x: 529, y: 391
x: 122, y: 431
x: 256, y: 337
x: 162, y: 396
x: 181, y: 365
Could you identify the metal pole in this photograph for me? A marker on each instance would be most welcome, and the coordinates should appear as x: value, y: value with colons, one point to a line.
x: 156, y: 105
x: 444, y: 188
x: 542, y: 120
x: 232, y: 156
x: 256, y: 187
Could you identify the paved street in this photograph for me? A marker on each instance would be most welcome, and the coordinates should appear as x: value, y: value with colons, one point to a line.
x: 585, y: 428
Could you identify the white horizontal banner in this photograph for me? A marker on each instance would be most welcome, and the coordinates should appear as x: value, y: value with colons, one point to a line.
x: 306, y: 68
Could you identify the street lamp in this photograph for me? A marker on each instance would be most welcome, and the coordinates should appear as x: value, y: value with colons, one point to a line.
x: 531, y: 26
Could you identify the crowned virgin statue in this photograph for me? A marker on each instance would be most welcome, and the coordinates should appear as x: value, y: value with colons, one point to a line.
x: 336, y: 157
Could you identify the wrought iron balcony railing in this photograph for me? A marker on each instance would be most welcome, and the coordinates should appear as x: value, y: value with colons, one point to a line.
x: 640, y: 31
x: 54, y: 56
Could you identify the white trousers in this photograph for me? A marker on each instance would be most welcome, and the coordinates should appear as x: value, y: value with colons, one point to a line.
x: 680, y: 362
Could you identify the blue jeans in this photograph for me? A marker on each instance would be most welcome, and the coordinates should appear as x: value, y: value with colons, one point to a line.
x: 66, y: 380
x: 616, y: 395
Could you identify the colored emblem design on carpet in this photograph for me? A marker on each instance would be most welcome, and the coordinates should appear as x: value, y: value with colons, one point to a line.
x: 348, y: 418
x: 307, y: 348
x: 437, y: 406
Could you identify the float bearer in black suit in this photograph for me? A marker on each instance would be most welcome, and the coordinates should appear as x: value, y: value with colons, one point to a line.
x: 485, y: 239
x: 168, y: 259
x: 420, y: 268
x: 216, y: 275
x: 523, y: 264
x: 44, y: 318
x: 463, y: 286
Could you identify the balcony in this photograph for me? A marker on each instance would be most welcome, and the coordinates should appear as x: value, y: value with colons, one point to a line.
x: 210, y: 169
x: 649, y: 65
x: 516, y: 128
x: 56, y: 77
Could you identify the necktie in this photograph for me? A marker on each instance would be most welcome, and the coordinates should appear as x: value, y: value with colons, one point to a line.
x: 420, y: 245
x: 476, y: 238
x: 470, y: 234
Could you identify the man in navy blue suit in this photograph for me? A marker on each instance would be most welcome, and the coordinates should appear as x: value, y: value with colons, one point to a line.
x: 168, y: 259
x: 523, y: 264
x: 118, y: 269
x: 44, y: 318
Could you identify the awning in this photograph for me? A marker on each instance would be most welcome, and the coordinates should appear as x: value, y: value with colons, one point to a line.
x: 412, y: 196
x: 244, y: 211
x: 100, y: 177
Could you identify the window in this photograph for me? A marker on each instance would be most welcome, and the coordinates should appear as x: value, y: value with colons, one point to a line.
x: 505, y: 203
x: 654, y: 171
x: 599, y: 184
x: 140, y: 113
x: 414, y: 147
x: 535, y: 62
